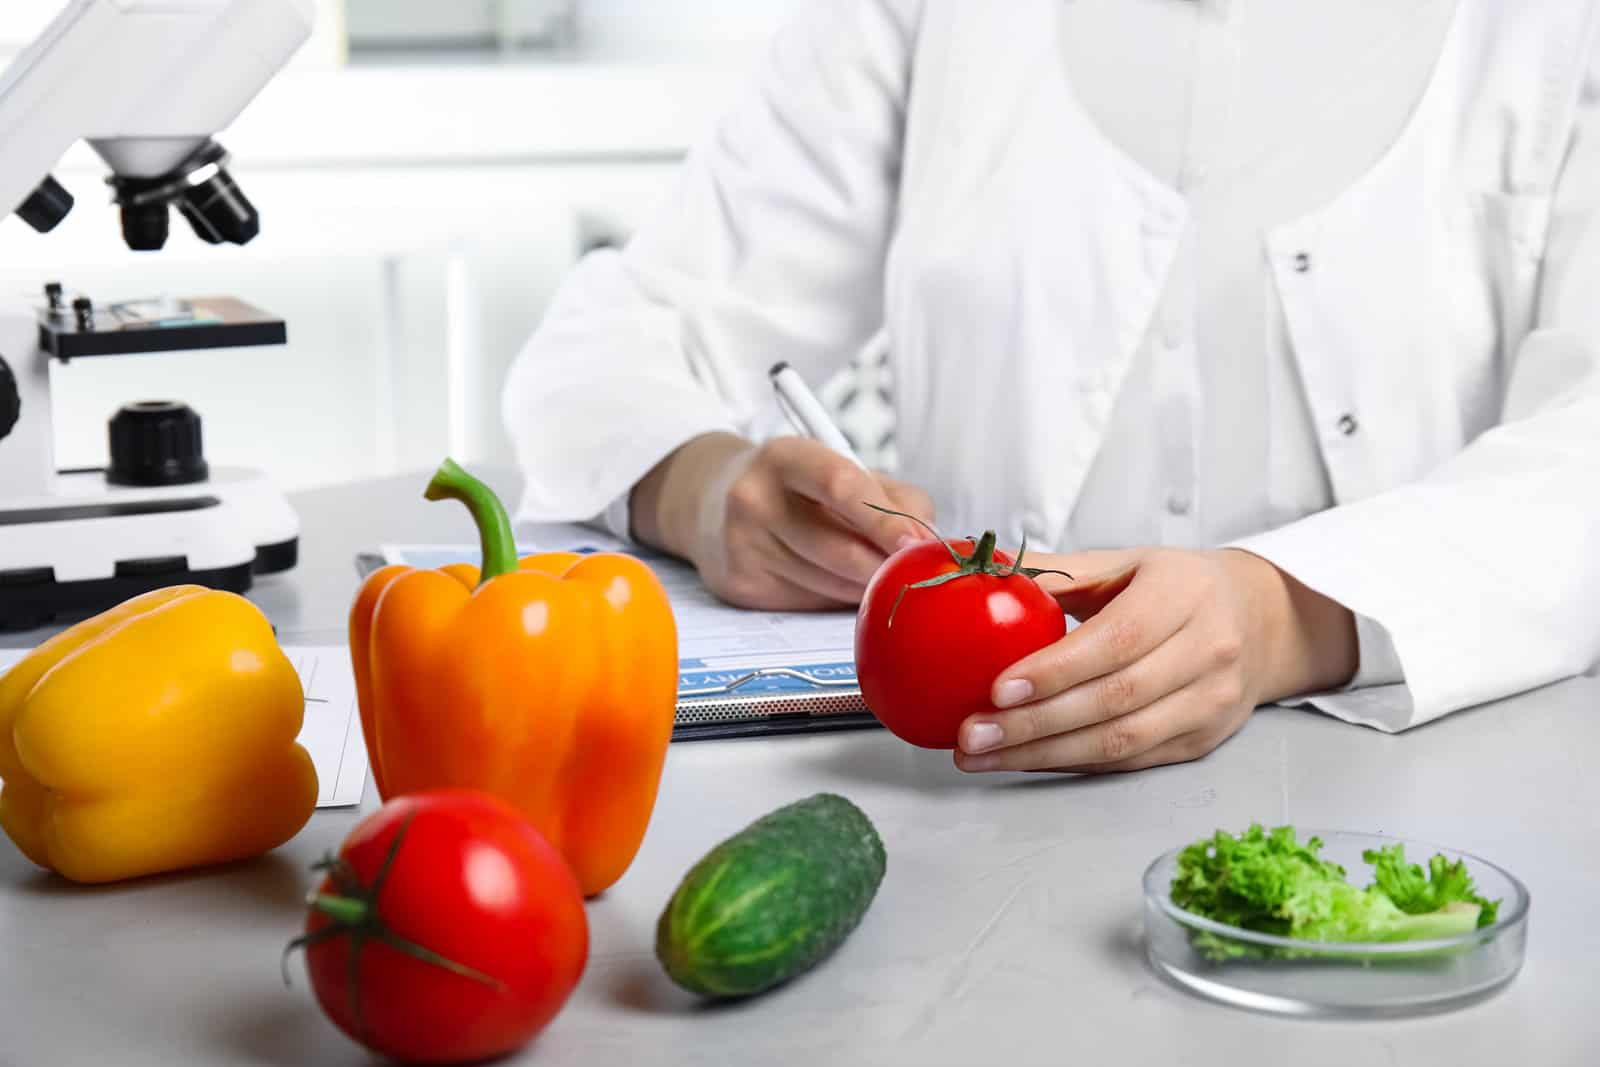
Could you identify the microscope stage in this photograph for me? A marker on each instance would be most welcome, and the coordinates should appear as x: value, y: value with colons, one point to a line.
x: 169, y: 326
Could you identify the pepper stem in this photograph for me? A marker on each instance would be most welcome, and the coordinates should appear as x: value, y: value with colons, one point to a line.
x: 498, y: 542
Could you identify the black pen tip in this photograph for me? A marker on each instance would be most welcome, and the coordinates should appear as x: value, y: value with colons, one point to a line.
x: 777, y: 369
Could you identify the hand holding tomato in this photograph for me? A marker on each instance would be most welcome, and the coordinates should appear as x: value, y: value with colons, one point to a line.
x: 937, y: 625
x: 1176, y: 650
x: 447, y: 930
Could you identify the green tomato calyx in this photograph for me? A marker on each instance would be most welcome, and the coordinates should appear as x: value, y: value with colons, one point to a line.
x: 981, y: 561
x: 354, y: 911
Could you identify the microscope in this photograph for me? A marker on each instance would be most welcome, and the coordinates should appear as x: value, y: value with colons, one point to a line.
x: 146, y: 83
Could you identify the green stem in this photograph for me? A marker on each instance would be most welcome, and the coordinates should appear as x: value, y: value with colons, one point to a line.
x: 936, y: 535
x: 983, y: 556
x: 499, y: 543
x: 356, y: 916
x: 347, y: 911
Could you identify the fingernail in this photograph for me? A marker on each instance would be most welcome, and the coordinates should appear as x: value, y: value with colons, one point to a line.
x: 978, y: 764
x: 982, y: 736
x: 1013, y: 691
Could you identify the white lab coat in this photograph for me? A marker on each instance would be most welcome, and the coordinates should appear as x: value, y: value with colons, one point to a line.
x: 918, y: 167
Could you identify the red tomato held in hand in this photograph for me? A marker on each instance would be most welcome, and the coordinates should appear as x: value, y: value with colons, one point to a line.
x: 467, y: 927
x: 930, y: 668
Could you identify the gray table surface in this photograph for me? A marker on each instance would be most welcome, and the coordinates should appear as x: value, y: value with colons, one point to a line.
x: 1007, y: 930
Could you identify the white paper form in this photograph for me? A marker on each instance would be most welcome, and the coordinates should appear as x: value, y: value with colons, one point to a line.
x: 716, y: 643
x: 332, y: 730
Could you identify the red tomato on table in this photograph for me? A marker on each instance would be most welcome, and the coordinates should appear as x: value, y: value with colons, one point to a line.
x: 933, y: 665
x: 467, y: 928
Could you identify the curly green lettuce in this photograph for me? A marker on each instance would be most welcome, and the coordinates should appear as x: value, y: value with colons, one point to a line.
x: 1272, y: 883
x: 1417, y: 893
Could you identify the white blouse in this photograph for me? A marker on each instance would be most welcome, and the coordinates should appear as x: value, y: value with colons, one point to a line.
x: 1348, y: 326
x: 1257, y: 112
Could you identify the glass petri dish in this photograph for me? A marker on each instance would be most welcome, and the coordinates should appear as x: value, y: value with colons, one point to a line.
x: 1350, y: 979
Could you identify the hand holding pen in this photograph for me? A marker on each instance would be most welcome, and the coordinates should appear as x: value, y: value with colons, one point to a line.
x: 806, y: 413
x: 783, y: 525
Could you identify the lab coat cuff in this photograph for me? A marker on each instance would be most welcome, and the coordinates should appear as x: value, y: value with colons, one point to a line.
x: 598, y: 494
x: 1380, y: 663
x: 617, y: 519
x: 1377, y: 695
x: 1390, y: 708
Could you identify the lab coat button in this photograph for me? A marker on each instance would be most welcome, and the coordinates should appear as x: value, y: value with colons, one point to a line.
x: 1302, y: 261
x: 1348, y: 425
x: 1178, y: 502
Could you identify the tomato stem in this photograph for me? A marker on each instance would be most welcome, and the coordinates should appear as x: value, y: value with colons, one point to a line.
x: 980, y: 562
x: 354, y: 914
x: 1016, y: 565
x: 346, y: 910
x: 937, y: 536
x: 983, y: 556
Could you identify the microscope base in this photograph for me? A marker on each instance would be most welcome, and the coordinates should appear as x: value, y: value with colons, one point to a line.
x: 88, y: 546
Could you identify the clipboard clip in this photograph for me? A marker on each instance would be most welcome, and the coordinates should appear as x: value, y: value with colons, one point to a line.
x: 769, y: 672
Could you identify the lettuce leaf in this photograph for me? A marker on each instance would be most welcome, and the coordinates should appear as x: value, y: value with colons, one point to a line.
x: 1272, y: 883
x: 1415, y: 893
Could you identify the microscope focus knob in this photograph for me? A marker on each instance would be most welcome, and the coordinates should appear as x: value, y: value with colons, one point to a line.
x: 10, y: 400
x: 156, y: 442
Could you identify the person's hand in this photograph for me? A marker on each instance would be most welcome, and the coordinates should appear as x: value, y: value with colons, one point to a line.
x: 780, y: 527
x: 1177, y: 648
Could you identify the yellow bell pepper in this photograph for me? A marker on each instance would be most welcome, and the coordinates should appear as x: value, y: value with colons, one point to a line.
x: 157, y: 736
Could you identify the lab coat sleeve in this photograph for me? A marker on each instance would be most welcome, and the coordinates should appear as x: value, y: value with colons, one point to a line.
x: 1379, y: 663
x: 772, y: 248
x: 1486, y: 573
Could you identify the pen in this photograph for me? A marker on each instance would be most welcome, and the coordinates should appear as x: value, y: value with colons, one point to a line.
x: 806, y: 413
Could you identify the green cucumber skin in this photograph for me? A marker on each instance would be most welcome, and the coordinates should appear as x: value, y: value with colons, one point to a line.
x: 773, y: 900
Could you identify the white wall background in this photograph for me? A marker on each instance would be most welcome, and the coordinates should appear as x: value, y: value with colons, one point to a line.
x: 683, y: 26
x: 688, y: 25
x: 417, y: 216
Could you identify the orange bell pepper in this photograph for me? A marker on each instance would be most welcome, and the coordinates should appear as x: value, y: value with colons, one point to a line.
x: 551, y: 683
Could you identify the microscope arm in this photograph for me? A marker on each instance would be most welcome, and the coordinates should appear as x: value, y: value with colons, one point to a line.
x: 145, y: 82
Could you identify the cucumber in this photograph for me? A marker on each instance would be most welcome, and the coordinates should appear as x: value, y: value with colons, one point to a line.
x: 773, y: 900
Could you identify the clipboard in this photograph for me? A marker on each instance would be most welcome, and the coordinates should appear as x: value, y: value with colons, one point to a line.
x: 717, y: 712
x: 763, y: 701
